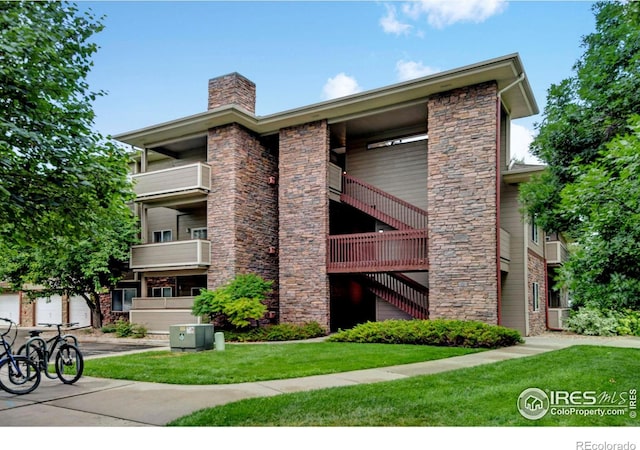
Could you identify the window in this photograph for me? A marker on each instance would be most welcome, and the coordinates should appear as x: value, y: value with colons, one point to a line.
x: 536, y: 297
x: 196, y: 291
x: 122, y: 299
x: 534, y: 231
x: 198, y: 233
x: 162, y: 236
x: 162, y: 292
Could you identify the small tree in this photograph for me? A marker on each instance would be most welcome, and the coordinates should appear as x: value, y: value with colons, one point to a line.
x: 86, y: 265
x: 238, y: 302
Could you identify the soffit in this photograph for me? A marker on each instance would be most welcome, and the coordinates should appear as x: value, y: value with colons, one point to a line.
x: 391, y: 103
x: 522, y: 175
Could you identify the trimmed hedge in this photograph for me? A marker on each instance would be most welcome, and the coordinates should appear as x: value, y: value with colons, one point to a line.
x: 439, y: 332
x: 281, y: 332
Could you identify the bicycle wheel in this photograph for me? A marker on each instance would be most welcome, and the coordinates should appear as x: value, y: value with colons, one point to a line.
x: 35, y: 354
x: 69, y: 363
x: 19, y: 375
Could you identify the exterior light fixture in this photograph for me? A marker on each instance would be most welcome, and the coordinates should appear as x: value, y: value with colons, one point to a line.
x: 398, y: 141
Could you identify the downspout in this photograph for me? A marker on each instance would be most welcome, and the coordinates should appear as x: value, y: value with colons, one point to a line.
x: 498, y: 181
x: 498, y: 184
x: 546, y: 290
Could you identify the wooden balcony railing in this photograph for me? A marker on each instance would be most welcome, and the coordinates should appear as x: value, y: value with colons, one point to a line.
x: 557, y: 253
x: 181, y: 180
x: 162, y: 303
x: 390, y: 251
x: 178, y: 254
x: 382, y: 205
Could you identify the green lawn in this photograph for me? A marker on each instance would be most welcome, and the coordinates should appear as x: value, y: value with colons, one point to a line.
x: 258, y: 362
x: 479, y: 396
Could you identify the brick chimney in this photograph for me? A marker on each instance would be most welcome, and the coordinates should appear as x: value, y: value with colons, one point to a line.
x: 232, y: 89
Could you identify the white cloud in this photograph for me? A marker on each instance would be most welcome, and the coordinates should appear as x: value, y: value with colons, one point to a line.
x: 441, y: 13
x: 339, y: 86
x: 408, y: 70
x: 390, y: 23
x: 521, y: 137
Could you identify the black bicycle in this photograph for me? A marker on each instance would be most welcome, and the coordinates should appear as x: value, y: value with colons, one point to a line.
x: 18, y: 374
x: 69, y: 362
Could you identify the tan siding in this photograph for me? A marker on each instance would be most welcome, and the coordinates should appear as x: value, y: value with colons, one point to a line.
x: 162, y: 219
x: 186, y: 157
x: 513, y: 288
x: 159, y: 321
x: 196, y: 219
x: 386, y: 311
x: 399, y: 170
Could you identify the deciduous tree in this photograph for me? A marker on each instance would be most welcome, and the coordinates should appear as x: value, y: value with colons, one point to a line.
x: 53, y: 165
x: 587, y: 190
x: 64, y: 222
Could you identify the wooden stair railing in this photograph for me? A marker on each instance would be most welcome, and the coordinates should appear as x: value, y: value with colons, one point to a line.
x: 401, y: 291
x: 381, y: 205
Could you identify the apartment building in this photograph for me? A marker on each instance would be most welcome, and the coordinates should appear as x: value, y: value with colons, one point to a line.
x: 398, y: 202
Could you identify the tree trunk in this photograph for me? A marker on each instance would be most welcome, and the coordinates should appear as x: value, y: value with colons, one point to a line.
x: 93, y: 301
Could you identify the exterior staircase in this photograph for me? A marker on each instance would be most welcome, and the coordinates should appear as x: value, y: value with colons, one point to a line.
x: 399, y: 290
x: 381, y: 205
x: 380, y: 258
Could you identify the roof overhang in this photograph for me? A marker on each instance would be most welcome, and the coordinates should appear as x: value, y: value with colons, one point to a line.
x: 522, y: 175
x: 505, y: 71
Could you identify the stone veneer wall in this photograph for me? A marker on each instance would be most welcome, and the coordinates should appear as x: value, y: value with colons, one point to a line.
x: 232, y: 89
x: 109, y: 316
x: 242, y: 207
x: 304, y: 224
x: 461, y: 187
x: 27, y: 311
x: 536, y: 274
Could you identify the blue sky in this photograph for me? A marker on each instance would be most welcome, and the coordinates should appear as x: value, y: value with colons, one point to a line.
x: 156, y: 58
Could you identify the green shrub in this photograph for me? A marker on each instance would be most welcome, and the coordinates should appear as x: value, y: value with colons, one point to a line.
x: 237, y: 302
x: 124, y: 328
x: 592, y: 322
x: 109, y: 328
x: 628, y: 323
x: 138, y: 331
x: 440, y: 332
x: 280, y: 332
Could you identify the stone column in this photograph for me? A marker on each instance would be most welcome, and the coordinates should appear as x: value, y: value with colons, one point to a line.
x: 304, y: 223
x: 461, y: 187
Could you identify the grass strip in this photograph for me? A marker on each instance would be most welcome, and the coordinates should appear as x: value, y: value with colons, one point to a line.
x: 258, y: 362
x: 479, y: 396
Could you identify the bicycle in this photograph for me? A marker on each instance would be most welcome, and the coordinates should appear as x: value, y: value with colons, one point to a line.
x: 69, y: 362
x: 18, y: 374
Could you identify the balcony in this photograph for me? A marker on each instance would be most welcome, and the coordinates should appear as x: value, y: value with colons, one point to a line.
x: 162, y: 303
x: 171, y: 255
x: 557, y: 253
x: 177, y: 184
x: 159, y: 313
x: 391, y: 251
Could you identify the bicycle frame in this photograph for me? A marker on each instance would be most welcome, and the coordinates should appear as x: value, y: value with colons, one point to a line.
x: 8, y: 357
x: 48, y: 347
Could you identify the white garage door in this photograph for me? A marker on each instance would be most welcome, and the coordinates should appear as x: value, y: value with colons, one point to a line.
x: 79, y: 312
x: 10, y: 307
x: 49, y: 310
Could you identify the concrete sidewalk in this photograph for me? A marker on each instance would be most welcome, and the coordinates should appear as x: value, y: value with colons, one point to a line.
x: 105, y: 402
